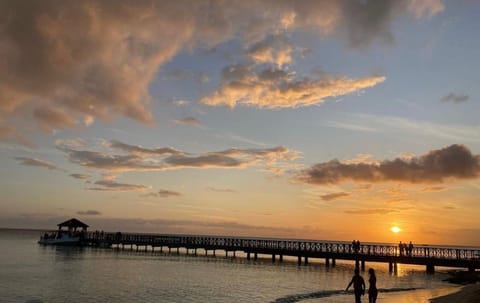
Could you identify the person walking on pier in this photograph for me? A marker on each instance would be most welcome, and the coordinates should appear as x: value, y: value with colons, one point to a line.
x: 372, y: 287
x: 358, y: 286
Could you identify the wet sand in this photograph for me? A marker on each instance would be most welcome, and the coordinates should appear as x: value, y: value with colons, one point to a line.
x: 468, y: 294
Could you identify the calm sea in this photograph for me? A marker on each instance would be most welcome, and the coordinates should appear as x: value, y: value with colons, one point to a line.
x: 33, y: 273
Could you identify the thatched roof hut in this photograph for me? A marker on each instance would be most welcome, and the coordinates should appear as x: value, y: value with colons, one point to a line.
x: 73, y: 224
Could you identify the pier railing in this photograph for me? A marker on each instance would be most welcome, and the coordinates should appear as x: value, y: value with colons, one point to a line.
x: 283, y: 246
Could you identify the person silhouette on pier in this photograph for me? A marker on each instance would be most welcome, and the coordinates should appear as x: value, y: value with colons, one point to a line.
x: 372, y: 287
x: 358, y: 286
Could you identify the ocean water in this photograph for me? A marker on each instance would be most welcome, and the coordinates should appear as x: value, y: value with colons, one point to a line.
x: 35, y: 274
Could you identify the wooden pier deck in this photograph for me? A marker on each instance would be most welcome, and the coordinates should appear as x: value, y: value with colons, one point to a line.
x: 330, y: 251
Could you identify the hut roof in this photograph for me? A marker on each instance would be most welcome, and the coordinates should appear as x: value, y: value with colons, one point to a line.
x: 73, y: 223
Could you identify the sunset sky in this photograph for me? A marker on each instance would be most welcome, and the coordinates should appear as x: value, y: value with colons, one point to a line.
x: 303, y: 119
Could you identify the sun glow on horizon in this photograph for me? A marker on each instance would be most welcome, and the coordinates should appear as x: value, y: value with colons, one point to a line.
x: 395, y: 229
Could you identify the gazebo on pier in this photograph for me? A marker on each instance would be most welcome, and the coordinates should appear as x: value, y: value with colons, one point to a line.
x: 72, y: 226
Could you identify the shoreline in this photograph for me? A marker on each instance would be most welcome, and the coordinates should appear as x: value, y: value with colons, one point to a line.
x: 467, y: 294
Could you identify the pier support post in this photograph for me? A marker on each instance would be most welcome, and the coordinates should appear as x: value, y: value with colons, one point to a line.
x: 281, y: 258
x: 430, y: 269
x: 333, y: 262
x: 226, y: 253
x: 395, y: 268
x: 206, y: 252
x: 357, y: 264
x: 306, y: 260
x: 195, y: 253
x: 255, y: 256
x: 178, y: 250
x: 327, y: 262
x: 169, y: 249
x: 273, y: 258
x: 363, y: 265
x: 390, y: 267
x: 299, y: 260
x: 248, y: 256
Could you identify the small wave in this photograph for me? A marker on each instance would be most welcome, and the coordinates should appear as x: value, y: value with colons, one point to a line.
x: 329, y: 293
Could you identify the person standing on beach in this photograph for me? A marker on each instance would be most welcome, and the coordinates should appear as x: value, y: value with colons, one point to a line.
x: 372, y: 287
x: 358, y: 286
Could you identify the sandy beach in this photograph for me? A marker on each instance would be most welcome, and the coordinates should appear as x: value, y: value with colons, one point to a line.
x: 468, y: 294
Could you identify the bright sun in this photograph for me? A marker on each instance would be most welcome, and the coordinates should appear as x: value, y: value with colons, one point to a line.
x: 395, y: 229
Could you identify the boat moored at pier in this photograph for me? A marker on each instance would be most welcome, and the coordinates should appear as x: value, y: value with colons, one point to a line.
x: 70, y: 232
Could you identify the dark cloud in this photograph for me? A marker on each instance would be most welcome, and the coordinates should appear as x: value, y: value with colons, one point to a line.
x: 333, y: 196
x: 163, y: 193
x: 454, y: 161
x: 188, y: 121
x: 89, y: 212
x: 455, y: 98
x: 35, y: 162
x: 144, y: 159
x: 111, y: 185
x: 80, y: 176
x: 141, y: 150
x: 105, y: 161
x: 217, y: 160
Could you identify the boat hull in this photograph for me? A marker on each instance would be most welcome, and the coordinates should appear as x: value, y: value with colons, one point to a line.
x: 60, y: 241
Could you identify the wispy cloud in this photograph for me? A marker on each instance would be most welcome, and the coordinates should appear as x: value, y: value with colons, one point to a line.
x: 334, y: 196
x: 386, y: 124
x: 221, y: 190
x: 454, y: 162
x: 188, y: 121
x: 455, y: 98
x: 89, y: 212
x: 135, y: 149
x: 164, y: 193
x: 371, y: 211
x: 151, y: 159
x: 36, y: 162
x: 278, y: 88
x: 80, y: 176
x: 112, y: 185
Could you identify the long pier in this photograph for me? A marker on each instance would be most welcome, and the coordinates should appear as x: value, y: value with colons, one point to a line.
x: 303, y: 250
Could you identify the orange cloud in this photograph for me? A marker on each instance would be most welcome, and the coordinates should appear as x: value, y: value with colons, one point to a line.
x: 36, y: 162
x: 276, y: 88
x: 74, y: 61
